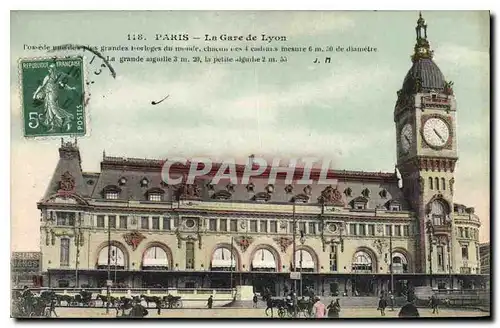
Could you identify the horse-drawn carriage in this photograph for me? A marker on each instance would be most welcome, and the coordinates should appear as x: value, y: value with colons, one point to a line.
x: 172, y: 302
x: 285, y: 307
x: 165, y: 302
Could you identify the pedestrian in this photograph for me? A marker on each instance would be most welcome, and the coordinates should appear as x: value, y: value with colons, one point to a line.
x: 255, y: 300
x: 409, y: 311
x: 382, y: 304
x: 434, y: 304
x: 210, y: 301
x: 158, y: 306
x: 334, y: 309
x: 391, y: 297
x: 319, y: 308
x: 137, y: 311
x: 52, y: 307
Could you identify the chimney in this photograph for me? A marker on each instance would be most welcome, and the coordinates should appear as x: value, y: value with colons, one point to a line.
x: 250, y: 159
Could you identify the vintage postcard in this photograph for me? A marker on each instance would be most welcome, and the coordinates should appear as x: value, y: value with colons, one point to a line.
x: 250, y: 164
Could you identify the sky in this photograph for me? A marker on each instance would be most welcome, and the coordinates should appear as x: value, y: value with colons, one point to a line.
x: 342, y: 110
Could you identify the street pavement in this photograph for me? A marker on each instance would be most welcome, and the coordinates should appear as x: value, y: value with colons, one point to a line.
x: 259, y: 313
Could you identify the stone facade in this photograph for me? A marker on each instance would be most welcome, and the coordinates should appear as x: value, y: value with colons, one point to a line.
x: 222, y: 234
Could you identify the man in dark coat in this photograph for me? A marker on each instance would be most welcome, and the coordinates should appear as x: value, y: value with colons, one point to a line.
x: 137, y: 311
x: 382, y: 304
x: 409, y: 311
x: 434, y: 304
x: 210, y: 301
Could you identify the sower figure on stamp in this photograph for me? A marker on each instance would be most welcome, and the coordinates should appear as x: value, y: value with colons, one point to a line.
x: 53, y: 115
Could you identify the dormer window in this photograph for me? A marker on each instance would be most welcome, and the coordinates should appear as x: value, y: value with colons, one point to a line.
x: 307, y: 190
x: 262, y: 197
x: 155, y: 197
x: 144, y: 182
x: 250, y: 187
x: 383, y: 193
x: 393, y: 205
x: 111, y: 195
x: 122, y: 181
x: 155, y: 194
x: 111, y: 192
x: 270, y: 188
x: 359, y: 203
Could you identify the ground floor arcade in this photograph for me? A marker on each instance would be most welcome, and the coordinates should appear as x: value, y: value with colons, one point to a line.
x: 325, y: 284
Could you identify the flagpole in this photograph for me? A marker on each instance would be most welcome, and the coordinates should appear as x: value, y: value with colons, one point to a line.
x: 231, y: 266
x: 294, y: 264
x: 109, y: 264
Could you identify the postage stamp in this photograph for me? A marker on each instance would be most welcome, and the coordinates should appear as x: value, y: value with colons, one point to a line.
x: 52, y: 96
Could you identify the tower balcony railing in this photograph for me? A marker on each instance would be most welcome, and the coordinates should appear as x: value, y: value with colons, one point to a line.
x: 442, y: 229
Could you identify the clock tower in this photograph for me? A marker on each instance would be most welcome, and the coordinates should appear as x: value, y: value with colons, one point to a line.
x: 426, y: 154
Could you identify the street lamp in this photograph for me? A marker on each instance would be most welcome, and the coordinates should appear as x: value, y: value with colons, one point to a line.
x: 294, y: 223
x: 302, y: 241
x: 430, y: 232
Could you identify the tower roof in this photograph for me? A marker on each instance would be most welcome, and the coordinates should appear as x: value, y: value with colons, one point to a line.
x: 424, y: 75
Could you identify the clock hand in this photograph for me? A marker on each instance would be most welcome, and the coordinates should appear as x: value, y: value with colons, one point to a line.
x: 437, y: 133
x: 407, y: 139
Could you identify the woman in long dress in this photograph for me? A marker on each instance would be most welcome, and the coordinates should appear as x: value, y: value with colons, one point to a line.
x: 54, y: 115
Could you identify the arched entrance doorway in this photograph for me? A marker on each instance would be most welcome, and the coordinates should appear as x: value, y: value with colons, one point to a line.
x: 223, y: 260
x: 399, y: 266
x: 363, y: 263
x: 264, y: 261
x: 304, y: 262
x: 156, y: 259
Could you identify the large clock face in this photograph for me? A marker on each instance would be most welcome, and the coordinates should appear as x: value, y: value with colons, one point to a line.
x: 436, y: 132
x: 406, y: 138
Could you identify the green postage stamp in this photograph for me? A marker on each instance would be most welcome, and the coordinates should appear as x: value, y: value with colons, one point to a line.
x: 52, y: 97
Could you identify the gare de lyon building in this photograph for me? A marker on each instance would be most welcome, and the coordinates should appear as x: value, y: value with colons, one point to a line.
x: 350, y: 237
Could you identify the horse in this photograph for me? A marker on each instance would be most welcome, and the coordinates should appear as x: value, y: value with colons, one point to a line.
x: 271, y: 303
x: 67, y: 298
x: 124, y: 303
x: 84, y: 298
x: 104, y: 299
x: 155, y: 299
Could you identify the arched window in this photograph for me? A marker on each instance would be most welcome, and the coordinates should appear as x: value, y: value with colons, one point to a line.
x: 438, y: 213
x: 155, y: 258
x: 304, y: 260
x: 362, y: 262
x: 222, y: 260
x: 443, y: 184
x: 64, y: 258
x: 431, y: 183
x: 264, y: 260
x: 116, y: 258
x: 399, y: 263
x: 436, y: 180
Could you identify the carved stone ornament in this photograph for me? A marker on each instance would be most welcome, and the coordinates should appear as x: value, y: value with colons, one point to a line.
x: 451, y: 183
x: 133, y: 239
x: 421, y: 184
x: 284, y: 242
x: 283, y: 224
x: 67, y: 183
x: 332, y: 196
x: 189, y: 191
x: 244, y: 242
x: 380, y: 245
x: 188, y: 237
